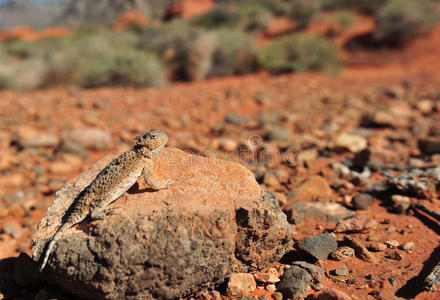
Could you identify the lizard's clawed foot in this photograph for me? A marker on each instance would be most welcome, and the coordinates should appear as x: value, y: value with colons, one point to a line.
x: 102, y: 213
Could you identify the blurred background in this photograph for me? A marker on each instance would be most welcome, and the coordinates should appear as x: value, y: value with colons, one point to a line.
x: 151, y: 42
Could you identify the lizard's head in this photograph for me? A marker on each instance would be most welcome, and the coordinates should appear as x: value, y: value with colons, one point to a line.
x: 153, y: 140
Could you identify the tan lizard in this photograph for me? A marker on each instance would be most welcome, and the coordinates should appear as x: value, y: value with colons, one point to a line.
x: 114, y: 180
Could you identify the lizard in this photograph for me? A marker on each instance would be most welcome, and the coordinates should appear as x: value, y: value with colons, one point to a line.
x: 114, y: 180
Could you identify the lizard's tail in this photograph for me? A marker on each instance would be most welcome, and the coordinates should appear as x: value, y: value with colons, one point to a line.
x: 52, y: 242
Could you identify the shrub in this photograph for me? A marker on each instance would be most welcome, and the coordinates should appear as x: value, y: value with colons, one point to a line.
x: 401, y: 20
x: 219, y: 16
x: 120, y: 67
x: 253, y: 17
x: 363, y: 6
x: 300, y: 53
x: 235, y: 53
x: 171, y: 43
x: 345, y: 19
x: 303, y: 11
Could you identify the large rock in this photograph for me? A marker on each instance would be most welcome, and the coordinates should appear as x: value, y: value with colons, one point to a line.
x: 213, y: 221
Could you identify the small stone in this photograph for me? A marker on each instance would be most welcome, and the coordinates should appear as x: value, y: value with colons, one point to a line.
x: 271, y: 287
x: 392, y: 280
x: 228, y: 145
x: 315, y: 188
x: 394, y: 255
x: 329, y: 294
x: 355, y: 225
x: 425, y: 106
x: 401, y: 203
x: 392, y: 244
x: 386, y: 221
x: 371, y: 238
x: 351, y: 142
x: 91, y: 138
x: 60, y: 168
x: 70, y: 146
x: 377, y: 247
x: 13, y: 229
x: 319, y: 246
x: 277, y: 296
x: 308, y: 156
x: 360, y: 250
x: 270, y: 276
x: 429, y: 145
x: 241, y: 284
x: 294, y: 283
x: 362, y: 201
x: 341, y: 253
x: 315, y: 271
x: 341, y: 271
x: 235, y: 119
x: 408, y: 246
x: 277, y: 134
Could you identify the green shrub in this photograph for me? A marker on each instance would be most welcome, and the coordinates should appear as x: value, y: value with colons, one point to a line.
x: 220, y: 16
x: 172, y: 43
x: 346, y: 19
x: 253, y: 17
x: 303, y: 11
x: 401, y: 20
x: 300, y: 53
x: 235, y: 53
x: 120, y: 67
x: 363, y: 6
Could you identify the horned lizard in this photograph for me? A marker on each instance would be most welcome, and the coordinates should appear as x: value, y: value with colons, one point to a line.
x: 114, y: 180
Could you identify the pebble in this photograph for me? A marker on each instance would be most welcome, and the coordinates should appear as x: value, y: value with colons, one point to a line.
x: 319, y: 246
x: 241, y: 284
x: 393, y: 280
x: 270, y: 276
x: 341, y: 271
x: 91, y: 138
x: 277, y: 134
x: 341, y: 253
x: 362, y: 201
x: 408, y: 246
x: 400, y: 203
x: 355, y: 225
x: 294, y: 283
x: 360, y: 250
x: 429, y: 145
x: 271, y: 288
x: 394, y: 255
x: 235, y: 119
x: 392, y: 244
x: 315, y: 271
x: 330, y: 212
x: 72, y: 147
x: 315, y: 188
x: 228, y: 145
x: 351, y: 142
x: 13, y: 228
x: 377, y: 247
x: 329, y: 294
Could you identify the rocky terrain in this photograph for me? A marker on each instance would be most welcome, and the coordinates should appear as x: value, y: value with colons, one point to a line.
x: 351, y: 159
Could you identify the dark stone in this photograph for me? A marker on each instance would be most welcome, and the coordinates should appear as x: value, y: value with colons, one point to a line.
x: 277, y: 134
x: 429, y: 145
x: 319, y: 246
x: 294, y: 282
x: 362, y: 201
x: 235, y: 119
x: 315, y: 271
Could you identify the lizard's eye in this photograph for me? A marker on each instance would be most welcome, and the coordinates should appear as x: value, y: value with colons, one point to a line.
x: 153, y: 135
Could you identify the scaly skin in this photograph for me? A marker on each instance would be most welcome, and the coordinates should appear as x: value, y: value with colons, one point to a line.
x: 115, y: 179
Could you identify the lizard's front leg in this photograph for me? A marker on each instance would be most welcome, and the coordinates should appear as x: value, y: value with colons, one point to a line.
x: 147, y: 173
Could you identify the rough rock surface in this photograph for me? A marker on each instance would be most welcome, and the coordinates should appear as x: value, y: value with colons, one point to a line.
x: 214, y: 220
